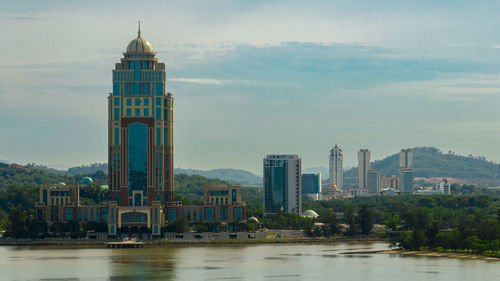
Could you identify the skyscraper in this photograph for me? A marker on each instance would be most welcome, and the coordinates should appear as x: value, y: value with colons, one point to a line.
x: 282, y: 184
x: 363, y: 167
x: 373, y: 181
x: 140, y: 141
x: 336, y: 170
x: 406, y: 181
x: 311, y: 185
x: 405, y: 159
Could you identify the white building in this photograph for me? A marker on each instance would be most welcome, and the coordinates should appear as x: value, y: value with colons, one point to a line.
x: 405, y: 159
x: 445, y: 187
x: 363, y: 167
x: 336, y: 169
x: 282, y: 184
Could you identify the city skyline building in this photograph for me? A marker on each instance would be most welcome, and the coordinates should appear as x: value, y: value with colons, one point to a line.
x: 282, y: 184
x: 405, y: 159
x: 373, y: 181
x: 406, y: 181
x: 336, y: 170
x: 140, y: 141
x: 363, y: 167
x: 389, y: 181
x: 311, y: 185
x: 445, y: 187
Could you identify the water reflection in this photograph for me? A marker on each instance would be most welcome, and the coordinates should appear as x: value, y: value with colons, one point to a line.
x: 257, y: 262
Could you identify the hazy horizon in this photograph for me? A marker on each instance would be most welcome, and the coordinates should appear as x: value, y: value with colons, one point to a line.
x: 256, y: 78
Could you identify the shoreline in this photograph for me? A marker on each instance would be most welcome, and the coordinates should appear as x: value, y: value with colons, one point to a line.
x: 173, y: 243
x: 454, y: 255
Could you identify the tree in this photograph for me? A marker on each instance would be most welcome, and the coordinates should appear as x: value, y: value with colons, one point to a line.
x: 180, y: 224
x: 330, y: 221
x: 366, y: 219
x: 350, y: 220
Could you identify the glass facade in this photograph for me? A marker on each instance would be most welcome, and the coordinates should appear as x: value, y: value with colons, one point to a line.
x: 275, y: 184
x: 310, y: 183
x: 138, y: 158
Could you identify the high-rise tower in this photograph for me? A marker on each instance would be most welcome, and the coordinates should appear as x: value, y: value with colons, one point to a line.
x: 336, y: 170
x: 140, y: 141
x: 282, y: 184
x: 405, y: 159
x: 363, y: 167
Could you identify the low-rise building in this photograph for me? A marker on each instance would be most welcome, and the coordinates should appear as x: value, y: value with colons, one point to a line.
x: 60, y: 203
x: 222, y: 203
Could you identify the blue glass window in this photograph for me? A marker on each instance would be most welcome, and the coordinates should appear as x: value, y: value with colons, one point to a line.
x: 117, y: 101
x: 116, y: 114
x: 158, y: 113
x: 146, y: 112
x: 166, y: 136
x: 159, y: 89
x: 210, y: 214
x: 69, y: 214
x: 137, y: 102
x: 105, y: 214
x: 171, y: 214
x: 137, y: 112
x: 158, y: 101
x: 137, y: 157
x: 129, y: 101
x: 238, y: 214
x: 158, y: 136
x: 165, y: 115
x: 146, y: 102
x: 117, y: 138
x: 129, y: 111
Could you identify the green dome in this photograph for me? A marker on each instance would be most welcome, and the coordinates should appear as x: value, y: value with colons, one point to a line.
x: 61, y: 183
x: 87, y: 180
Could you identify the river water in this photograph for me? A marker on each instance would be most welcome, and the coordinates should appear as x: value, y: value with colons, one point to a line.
x: 253, y: 262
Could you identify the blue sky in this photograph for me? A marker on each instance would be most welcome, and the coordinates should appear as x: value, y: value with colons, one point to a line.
x: 252, y: 78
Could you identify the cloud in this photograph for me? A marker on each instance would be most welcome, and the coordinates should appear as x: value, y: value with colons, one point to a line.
x: 203, y: 81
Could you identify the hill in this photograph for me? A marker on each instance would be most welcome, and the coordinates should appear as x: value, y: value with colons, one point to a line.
x: 231, y: 175
x: 88, y: 169
x: 432, y: 162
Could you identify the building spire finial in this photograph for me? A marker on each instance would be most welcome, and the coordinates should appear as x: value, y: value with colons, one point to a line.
x: 139, y: 32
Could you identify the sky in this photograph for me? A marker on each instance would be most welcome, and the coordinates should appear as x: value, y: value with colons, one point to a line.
x: 252, y: 78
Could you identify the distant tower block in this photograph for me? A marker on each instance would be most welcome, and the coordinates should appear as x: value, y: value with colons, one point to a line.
x: 335, y: 165
x: 363, y: 167
x: 405, y: 159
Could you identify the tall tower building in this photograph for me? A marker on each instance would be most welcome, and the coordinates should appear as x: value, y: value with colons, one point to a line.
x: 373, y: 181
x: 140, y: 142
x: 336, y: 170
x: 363, y: 167
x: 405, y: 159
x: 282, y: 184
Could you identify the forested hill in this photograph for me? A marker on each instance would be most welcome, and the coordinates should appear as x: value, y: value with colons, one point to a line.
x: 432, y: 162
x: 34, y: 175
x: 231, y: 175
